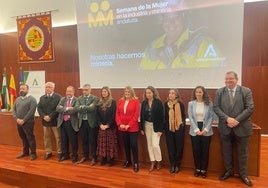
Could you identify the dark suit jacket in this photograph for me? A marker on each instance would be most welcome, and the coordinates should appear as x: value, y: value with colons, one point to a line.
x: 82, y: 106
x: 157, y: 115
x: 61, y: 109
x: 47, y: 107
x: 107, y: 117
x: 241, y: 110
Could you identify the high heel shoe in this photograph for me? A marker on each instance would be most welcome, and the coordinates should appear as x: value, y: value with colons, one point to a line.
x: 158, y: 165
x: 136, y: 167
x: 172, y: 170
x: 203, y: 173
x: 176, y: 169
x: 197, y: 172
x: 151, y: 167
x: 103, y: 161
x: 111, y: 162
x: 126, y: 164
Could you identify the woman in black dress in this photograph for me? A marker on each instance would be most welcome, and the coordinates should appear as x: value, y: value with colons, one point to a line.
x: 107, y: 137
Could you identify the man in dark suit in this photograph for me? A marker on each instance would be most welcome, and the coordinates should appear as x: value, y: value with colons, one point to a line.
x: 88, y: 129
x: 234, y: 106
x: 47, y: 112
x: 68, y: 124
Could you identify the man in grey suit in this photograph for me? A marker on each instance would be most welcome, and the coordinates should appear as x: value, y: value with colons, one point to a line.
x: 68, y: 124
x: 88, y: 129
x: 234, y: 106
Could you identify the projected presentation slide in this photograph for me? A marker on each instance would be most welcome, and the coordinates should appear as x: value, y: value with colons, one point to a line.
x: 168, y: 43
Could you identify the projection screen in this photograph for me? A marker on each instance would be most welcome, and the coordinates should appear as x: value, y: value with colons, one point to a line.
x: 166, y: 44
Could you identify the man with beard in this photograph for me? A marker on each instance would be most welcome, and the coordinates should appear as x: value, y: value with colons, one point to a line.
x: 23, y: 112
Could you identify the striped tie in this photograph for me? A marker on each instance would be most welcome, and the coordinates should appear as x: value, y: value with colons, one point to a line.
x: 231, y: 96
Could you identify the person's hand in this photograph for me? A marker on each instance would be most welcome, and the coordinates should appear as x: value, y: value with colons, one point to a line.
x: 142, y: 132
x: 159, y: 134
x: 126, y: 127
x: 20, y: 121
x: 70, y: 108
x: 204, y: 132
x: 198, y: 133
x: 232, y: 122
x: 122, y: 126
x: 102, y: 127
x: 47, y: 118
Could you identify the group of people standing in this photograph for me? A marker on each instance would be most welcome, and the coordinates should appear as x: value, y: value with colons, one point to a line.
x: 97, y: 120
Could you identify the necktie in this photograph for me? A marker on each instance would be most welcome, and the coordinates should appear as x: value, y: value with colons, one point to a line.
x: 68, y: 102
x: 231, y: 96
x: 67, y: 117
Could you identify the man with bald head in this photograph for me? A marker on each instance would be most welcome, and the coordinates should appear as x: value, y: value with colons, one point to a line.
x: 47, y: 112
x: 68, y: 124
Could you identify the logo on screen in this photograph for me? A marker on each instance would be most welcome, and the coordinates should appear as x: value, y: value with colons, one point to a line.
x: 100, y: 14
x: 211, y: 52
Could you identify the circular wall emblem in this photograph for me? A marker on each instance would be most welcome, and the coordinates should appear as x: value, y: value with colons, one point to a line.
x: 34, y: 38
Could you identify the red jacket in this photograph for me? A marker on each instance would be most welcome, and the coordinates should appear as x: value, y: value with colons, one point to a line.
x: 131, y: 117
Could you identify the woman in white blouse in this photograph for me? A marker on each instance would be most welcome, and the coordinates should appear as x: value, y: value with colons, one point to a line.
x: 200, y: 111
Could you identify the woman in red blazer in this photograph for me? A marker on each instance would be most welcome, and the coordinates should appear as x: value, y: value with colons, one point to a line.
x: 127, y: 116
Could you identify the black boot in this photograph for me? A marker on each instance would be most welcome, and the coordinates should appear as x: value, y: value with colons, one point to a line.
x: 111, y: 163
x: 103, y: 161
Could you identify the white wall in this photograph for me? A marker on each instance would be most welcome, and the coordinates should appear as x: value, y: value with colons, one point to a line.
x: 10, y: 9
x: 65, y: 15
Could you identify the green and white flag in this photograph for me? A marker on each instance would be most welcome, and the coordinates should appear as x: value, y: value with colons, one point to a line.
x: 5, y: 91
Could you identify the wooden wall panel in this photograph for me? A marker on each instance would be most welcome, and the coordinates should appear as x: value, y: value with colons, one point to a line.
x: 255, y: 58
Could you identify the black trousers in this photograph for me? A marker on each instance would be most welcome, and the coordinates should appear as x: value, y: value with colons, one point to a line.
x: 200, y: 147
x: 131, y: 144
x: 26, y: 133
x: 89, y: 139
x: 175, y: 145
x: 228, y: 142
x: 68, y: 136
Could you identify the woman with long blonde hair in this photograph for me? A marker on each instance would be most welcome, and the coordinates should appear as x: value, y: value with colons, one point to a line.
x: 127, y: 117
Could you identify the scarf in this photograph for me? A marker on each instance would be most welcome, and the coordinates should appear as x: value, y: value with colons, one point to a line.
x: 174, y: 113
